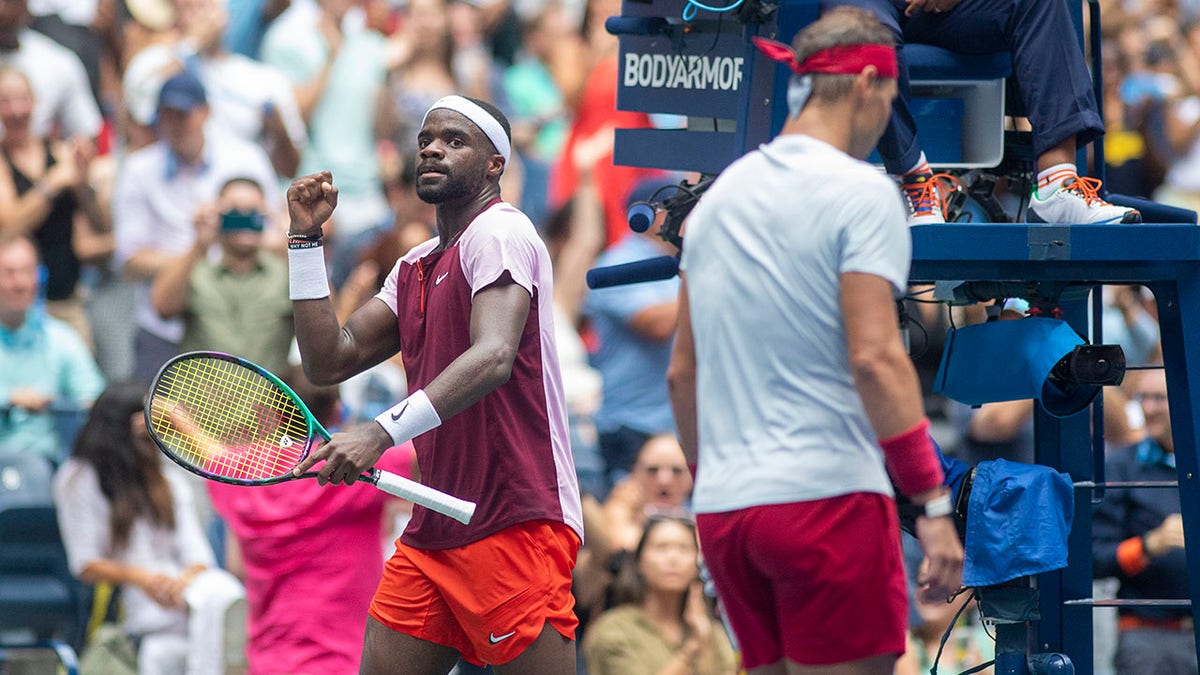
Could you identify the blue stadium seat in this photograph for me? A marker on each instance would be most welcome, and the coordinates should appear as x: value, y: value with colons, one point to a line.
x: 24, y: 479
x: 37, y: 590
x: 958, y: 103
x: 926, y: 62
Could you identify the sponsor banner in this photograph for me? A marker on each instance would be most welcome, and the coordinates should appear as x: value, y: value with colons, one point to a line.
x: 678, y: 71
x: 705, y: 75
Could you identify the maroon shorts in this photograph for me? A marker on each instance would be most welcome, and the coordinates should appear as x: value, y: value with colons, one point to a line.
x: 819, y: 582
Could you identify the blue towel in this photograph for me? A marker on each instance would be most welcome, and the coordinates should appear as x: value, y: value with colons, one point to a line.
x: 1018, y: 520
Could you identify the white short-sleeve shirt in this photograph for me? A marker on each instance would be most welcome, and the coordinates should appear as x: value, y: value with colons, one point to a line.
x: 60, y: 86
x: 83, y: 517
x: 780, y: 419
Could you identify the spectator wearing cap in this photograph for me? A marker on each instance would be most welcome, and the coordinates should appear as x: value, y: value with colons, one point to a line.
x: 634, y: 326
x: 160, y: 192
x: 250, y: 100
x: 65, y: 105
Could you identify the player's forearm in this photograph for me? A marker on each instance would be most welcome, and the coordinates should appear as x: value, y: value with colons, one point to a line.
x: 681, y: 385
x: 329, y: 352
x: 476, y: 373
x: 498, y: 317
x: 325, y: 347
x: 681, y: 380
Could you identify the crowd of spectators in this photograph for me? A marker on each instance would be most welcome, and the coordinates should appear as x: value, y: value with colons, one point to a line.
x: 145, y: 147
x: 1151, y: 99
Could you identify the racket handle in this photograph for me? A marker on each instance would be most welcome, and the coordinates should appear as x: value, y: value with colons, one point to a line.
x: 436, y: 500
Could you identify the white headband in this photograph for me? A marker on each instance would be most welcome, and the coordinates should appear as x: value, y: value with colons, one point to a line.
x: 483, y: 119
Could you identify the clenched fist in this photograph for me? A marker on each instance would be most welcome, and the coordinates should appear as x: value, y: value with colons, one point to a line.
x: 311, y: 200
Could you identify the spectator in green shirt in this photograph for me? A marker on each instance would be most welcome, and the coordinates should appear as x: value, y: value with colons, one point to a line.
x: 236, y: 302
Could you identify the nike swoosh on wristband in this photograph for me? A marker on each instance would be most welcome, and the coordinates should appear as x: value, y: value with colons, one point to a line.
x: 439, y: 279
x: 396, y: 415
x: 493, y: 638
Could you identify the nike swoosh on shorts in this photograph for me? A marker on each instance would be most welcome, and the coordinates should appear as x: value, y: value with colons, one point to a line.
x: 493, y: 638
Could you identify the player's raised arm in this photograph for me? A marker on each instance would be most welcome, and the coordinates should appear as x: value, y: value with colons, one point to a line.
x: 330, y: 352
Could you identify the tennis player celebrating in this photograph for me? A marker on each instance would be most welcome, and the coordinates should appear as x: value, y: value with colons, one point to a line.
x: 788, y: 366
x: 470, y: 313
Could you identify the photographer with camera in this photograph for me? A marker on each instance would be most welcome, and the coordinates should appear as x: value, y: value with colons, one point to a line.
x: 237, y: 303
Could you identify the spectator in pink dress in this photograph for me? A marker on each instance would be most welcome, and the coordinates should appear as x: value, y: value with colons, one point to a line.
x: 310, y: 558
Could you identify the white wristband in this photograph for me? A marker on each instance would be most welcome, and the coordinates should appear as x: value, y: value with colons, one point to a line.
x: 939, y: 506
x: 411, y: 417
x: 307, y: 278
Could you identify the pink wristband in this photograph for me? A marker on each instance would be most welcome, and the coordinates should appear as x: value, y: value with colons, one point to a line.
x: 912, y: 460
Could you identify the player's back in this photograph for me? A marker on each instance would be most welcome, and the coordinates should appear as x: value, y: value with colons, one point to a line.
x: 764, y: 252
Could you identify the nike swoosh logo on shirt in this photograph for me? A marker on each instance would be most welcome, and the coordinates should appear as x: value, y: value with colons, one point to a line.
x: 439, y: 279
x: 493, y: 638
x: 396, y: 415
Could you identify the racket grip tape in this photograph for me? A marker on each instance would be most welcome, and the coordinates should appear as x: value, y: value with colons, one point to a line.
x: 447, y: 505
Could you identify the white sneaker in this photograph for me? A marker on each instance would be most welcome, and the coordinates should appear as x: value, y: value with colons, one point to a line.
x: 1078, y: 201
x: 926, y: 195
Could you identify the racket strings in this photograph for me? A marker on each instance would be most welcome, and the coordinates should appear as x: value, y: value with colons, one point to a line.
x: 227, y: 420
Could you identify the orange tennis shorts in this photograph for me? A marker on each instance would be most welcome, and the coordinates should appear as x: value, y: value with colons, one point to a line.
x: 490, y: 599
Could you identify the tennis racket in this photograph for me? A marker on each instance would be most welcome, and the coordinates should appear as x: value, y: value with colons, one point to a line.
x: 226, y: 419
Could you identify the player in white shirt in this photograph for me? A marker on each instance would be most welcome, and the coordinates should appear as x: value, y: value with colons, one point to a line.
x: 788, y: 369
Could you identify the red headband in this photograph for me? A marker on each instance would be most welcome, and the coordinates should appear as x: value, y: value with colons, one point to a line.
x: 840, y: 60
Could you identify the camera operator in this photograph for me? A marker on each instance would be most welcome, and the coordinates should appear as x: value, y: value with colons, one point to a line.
x: 238, y: 302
